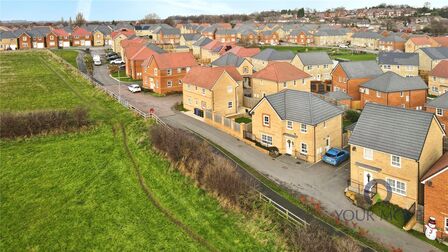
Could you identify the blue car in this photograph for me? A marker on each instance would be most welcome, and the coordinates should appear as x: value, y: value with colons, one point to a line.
x: 335, y: 156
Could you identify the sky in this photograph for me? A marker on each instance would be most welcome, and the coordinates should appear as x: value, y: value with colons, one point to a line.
x: 107, y: 10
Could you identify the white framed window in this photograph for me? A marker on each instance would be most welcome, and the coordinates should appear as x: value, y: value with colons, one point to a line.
x: 368, y: 154
x: 229, y: 89
x: 169, y: 72
x: 189, y: 101
x: 439, y: 112
x: 303, y: 128
x: 203, y: 91
x: 395, y: 161
x: 284, y: 85
x: 179, y: 70
x: 169, y: 83
x: 366, y: 91
x: 229, y: 104
x: 445, y: 227
x: 397, y: 186
x: 325, y: 66
x: 378, y: 94
x: 180, y: 82
x: 266, y: 139
x: 245, y: 70
x: 325, y: 124
x: 266, y: 120
x: 304, y: 148
x: 289, y: 125
x: 401, y: 94
x: 155, y: 71
x: 188, y: 69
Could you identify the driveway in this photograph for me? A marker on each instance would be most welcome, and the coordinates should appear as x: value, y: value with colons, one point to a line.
x: 323, y: 182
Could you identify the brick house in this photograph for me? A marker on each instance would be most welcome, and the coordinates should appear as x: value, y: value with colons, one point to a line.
x: 163, y: 73
x: 243, y: 65
x: 391, y: 43
x: 300, y: 37
x: 51, y: 40
x: 391, y: 89
x: 8, y: 40
x: 415, y: 43
x: 25, y: 41
x: 439, y: 106
x: 81, y: 37
x: 317, y: 64
x: 278, y: 76
x: 118, y: 36
x: 63, y: 37
x: 298, y: 123
x: 269, y: 37
x: 128, y: 49
x: 404, y: 64
x: 218, y: 89
x: 436, y: 195
x: 348, y: 76
x: 225, y: 35
x: 263, y: 58
x: 438, y: 79
x: 136, y: 60
x: 380, y: 150
x: 369, y: 40
x: 38, y: 35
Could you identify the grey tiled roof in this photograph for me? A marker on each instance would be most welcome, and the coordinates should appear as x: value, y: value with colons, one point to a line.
x: 271, y: 54
x: 367, y: 35
x: 202, y: 41
x: 191, y: 37
x: 393, y: 38
x: 398, y: 58
x: 361, y: 69
x: 225, y: 32
x: 8, y: 35
x: 330, y: 32
x: 154, y: 48
x: 439, y: 102
x: 315, y: 58
x: 392, y: 82
x: 228, y: 59
x: 338, y: 95
x: 392, y: 130
x: 436, y: 53
x: 302, y: 107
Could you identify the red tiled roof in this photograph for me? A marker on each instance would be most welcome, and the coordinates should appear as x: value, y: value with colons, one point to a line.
x: 60, y: 32
x: 280, y: 72
x: 143, y: 53
x: 441, y: 70
x: 172, y: 60
x: 439, y: 166
x: 125, y: 32
x: 80, y: 32
x: 206, y: 77
x: 212, y: 45
x: 244, y: 52
x: 442, y: 41
x: 423, y: 40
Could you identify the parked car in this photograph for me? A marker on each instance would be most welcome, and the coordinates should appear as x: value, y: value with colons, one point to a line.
x: 134, y: 88
x: 97, y: 62
x: 335, y: 156
x: 343, y: 46
x: 113, y: 57
x: 111, y: 54
x: 116, y: 62
x: 96, y: 57
x: 122, y: 67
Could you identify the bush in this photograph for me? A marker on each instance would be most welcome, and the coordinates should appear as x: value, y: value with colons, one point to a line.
x: 16, y: 125
x: 113, y: 69
x: 89, y: 63
x: 391, y: 213
x: 352, y: 115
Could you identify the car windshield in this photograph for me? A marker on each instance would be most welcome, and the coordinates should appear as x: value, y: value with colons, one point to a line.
x: 329, y: 154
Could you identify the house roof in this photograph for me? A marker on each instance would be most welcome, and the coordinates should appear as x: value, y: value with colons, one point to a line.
x: 8, y: 35
x: 367, y: 35
x: 206, y: 77
x: 392, y: 130
x: 302, y: 107
x: 338, y: 95
x: 398, y: 58
x: 439, y: 102
x: 270, y: 54
x: 440, y: 70
x: 172, y: 60
x: 315, y: 58
x: 225, y: 32
x: 191, y: 36
x: 442, y: 41
x: 436, y: 53
x: 60, y: 32
x: 147, y: 51
x: 438, y: 168
x: 125, y: 32
x: 330, y: 32
x: 80, y: 32
x: 392, y: 82
x: 280, y: 72
x: 202, y: 41
x: 243, y: 51
x: 421, y: 40
x: 393, y: 38
x: 361, y: 69
x: 228, y: 59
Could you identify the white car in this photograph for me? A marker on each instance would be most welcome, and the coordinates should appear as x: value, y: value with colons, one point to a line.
x: 96, y: 57
x: 97, y: 62
x: 343, y: 46
x: 134, y: 88
x: 117, y: 61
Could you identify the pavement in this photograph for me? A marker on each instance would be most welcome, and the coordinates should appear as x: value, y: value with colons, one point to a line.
x: 320, y: 181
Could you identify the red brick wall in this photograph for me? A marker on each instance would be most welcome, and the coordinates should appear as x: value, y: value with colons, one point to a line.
x: 25, y: 42
x: 136, y: 67
x: 338, y: 74
x: 442, y: 119
x: 436, y: 203
x: 417, y: 98
x: 162, y: 78
x: 51, y: 38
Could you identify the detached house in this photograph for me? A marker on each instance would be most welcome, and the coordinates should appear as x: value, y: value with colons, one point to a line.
x: 63, y: 38
x: 8, y: 41
x: 218, y: 89
x: 429, y: 57
x: 118, y: 36
x: 25, y: 41
x: 439, y: 107
x: 404, y: 64
x: 38, y: 35
x: 436, y: 194
x: 438, y: 79
x: 380, y: 150
x: 243, y: 65
x: 367, y: 40
x: 392, y: 89
x: 136, y: 60
x: 269, y: 37
x: 391, y: 43
x: 348, y: 76
x: 197, y: 46
x: 163, y: 73
x: 301, y: 37
x: 298, y: 123
x: 225, y: 35
x: 278, y: 76
x: 102, y: 35
x: 261, y: 59
x: 415, y: 43
x: 188, y: 39
x: 317, y: 64
x: 81, y: 37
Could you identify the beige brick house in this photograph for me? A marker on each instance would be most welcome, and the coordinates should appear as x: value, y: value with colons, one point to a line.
x: 403, y: 64
x: 438, y: 79
x: 380, y: 150
x: 218, y: 89
x: 298, y: 123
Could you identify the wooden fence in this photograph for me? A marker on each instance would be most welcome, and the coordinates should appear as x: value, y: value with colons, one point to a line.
x: 225, y: 124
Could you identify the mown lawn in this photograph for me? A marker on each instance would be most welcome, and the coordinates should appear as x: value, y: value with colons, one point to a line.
x: 121, y: 76
x: 79, y: 191
x: 68, y: 55
x: 335, y: 53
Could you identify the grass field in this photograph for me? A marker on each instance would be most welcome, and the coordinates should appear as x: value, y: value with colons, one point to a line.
x: 68, y: 55
x: 79, y: 191
x: 121, y: 76
x: 335, y: 53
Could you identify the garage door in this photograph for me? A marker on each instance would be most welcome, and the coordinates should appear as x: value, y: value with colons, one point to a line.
x: 40, y: 45
x: 66, y: 44
x: 87, y: 43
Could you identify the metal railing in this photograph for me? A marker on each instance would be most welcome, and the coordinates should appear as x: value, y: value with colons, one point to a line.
x: 285, y: 213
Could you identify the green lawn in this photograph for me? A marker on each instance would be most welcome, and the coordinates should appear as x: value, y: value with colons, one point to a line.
x: 391, y: 213
x: 68, y: 55
x: 121, y: 75
x: 335, y: 53
x: 79, y: 191
x: 243, y: 120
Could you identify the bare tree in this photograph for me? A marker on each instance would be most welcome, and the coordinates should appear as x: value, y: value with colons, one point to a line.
x: 150, y: 18
x: 80, y: 20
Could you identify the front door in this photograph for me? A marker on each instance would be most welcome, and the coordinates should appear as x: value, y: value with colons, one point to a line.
x: 289, y: 146
x: 367, y: 178
x: 327, y: 144
x: 151, y: 83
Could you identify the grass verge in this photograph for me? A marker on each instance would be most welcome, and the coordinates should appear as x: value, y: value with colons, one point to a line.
x: 68, y: 55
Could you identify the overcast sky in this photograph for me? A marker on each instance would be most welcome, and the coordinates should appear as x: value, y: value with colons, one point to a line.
x: 39, y: 10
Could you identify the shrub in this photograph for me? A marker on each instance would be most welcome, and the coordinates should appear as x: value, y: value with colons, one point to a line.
x: 391, y: 213
x: 33, y: 123
x: 352, y: 115
x: 113, y: 69
x: 88, y: 60
x: 346, y: 245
